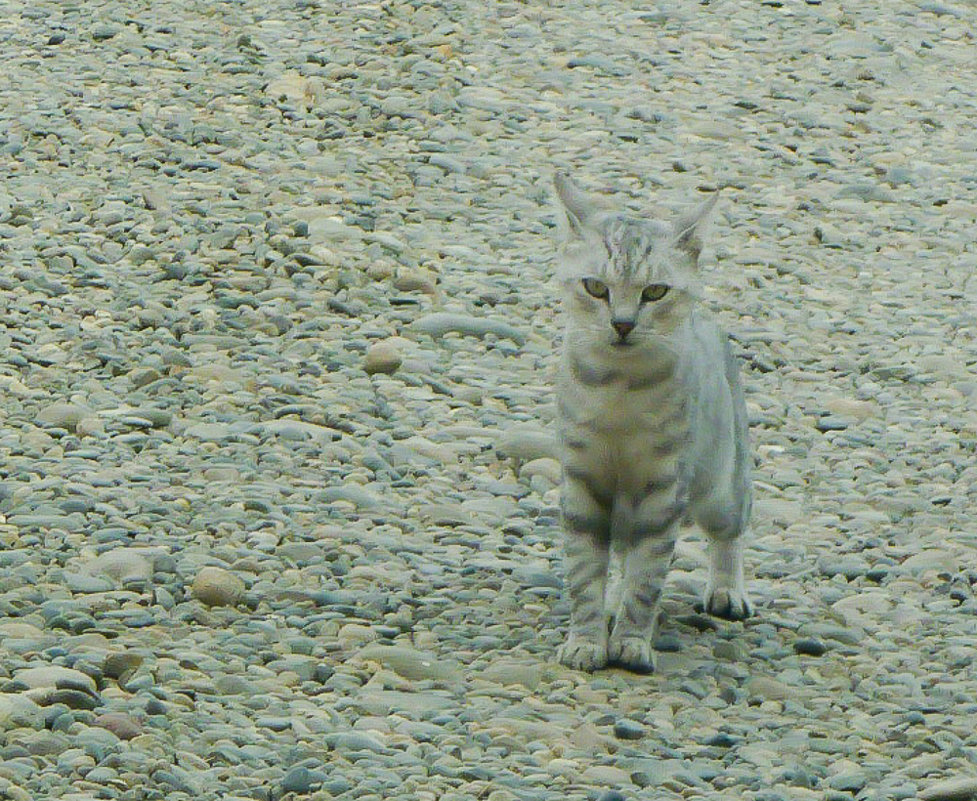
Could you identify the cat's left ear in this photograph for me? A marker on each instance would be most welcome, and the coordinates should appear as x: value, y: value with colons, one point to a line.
x: 692, y: 226
x: 580, y: 209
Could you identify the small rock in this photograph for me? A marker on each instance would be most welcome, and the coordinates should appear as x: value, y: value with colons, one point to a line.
x: 19, y: 712
x: 68, y: 696
x: 849, y: 407
x: 810, y: 647
x: 526, y: 443
x: 768, y: 689
x: 89, y: 426
x: 850, y: 780
x: 508, y: 672
x: 356, y: 741
x: 214, y: 586
x: 832, y: 422
x: 56, y: 676
x: 441, y: 323
x: 410, y: 663
x: 121, y: 666
x: 120, y: 724
x: 124, y: 566
x: 628, y: 729
x: 849, y: 566
x: 62, y: 415
x: 606, y: 775
x: 382, y: 357
x: 546, y: 467
x: 409, y: 280
x: 962, y: 788
x: 209, y: 432
x: 302, y: 780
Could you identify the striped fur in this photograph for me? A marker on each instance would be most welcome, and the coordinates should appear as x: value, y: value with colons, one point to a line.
x: 653, y: 428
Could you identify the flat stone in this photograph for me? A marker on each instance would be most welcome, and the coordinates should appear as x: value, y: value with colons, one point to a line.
x: 120, y: 724
x: 209, y: 432
x: 546, y: 467
x: 440, y: 323
x: 767, y: 688
x: 124, y: 566
x: 62, y: 415
x: 961, y: 788
x: 356, y: 741
x: 410, y: 663
x: 55, y: 676
x: 416, y: 704
x: 508, y: 672
x: 526, y: 443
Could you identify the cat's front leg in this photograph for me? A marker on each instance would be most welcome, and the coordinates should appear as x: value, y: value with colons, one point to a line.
x: 586, y: 523
x: 649, y: 555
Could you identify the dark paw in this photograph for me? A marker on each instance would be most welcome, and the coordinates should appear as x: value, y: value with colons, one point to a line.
x: 729, y: 604
x: 631, y: 653
x: 582, y: 654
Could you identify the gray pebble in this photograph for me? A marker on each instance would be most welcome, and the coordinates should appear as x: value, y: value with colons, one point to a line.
x: 628, y: 729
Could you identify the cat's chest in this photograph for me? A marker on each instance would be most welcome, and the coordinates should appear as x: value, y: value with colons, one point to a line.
x: 618, y: 395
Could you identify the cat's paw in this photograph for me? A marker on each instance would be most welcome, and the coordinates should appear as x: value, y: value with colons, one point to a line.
x: 728, y: 603
x: 631, y: 653
x: 582, y: 654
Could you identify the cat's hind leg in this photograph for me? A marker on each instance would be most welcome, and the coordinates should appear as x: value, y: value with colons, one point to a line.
x: 586, y: 514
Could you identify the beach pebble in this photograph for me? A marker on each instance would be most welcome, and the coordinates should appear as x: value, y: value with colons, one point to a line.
x: 382, y: 357
x: 214, y: 586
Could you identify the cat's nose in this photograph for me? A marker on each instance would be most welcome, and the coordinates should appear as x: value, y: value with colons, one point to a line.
x: 623, y: 328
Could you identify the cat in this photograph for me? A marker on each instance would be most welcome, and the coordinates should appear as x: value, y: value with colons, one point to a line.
x: 652, y: 424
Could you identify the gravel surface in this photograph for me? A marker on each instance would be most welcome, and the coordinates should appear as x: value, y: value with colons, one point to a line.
x: 277, y: 491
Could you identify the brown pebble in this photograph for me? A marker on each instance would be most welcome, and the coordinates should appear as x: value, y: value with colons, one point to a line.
x: 381, y: 357
x: 215, y: 586
x: 120, y: 724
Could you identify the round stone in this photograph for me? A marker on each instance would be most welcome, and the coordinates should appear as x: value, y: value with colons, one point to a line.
x: 214, y: 586
x: 628, y: 729
x: 382, y: 357
x: 810, y: 646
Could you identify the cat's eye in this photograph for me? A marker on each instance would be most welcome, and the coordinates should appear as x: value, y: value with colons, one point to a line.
x: 654, y: 292
x: 595, y: 288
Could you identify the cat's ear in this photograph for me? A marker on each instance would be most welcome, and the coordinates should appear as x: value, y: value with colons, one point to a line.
x: 691, y: 227
x: 580, y: 209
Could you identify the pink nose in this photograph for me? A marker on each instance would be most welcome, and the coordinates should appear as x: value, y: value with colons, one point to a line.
x: 623, y: 328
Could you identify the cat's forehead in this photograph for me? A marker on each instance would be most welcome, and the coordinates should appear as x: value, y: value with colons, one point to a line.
x: 632, y: 236
x: 634, y: 249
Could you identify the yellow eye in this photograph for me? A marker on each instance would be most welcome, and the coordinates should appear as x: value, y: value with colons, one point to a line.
x: 654, y: 292
x: 597, y: 289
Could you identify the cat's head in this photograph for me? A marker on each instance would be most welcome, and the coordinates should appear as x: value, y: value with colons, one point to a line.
x: 627, y: 280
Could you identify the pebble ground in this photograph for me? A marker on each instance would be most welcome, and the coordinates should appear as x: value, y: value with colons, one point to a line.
x: 277, y: 495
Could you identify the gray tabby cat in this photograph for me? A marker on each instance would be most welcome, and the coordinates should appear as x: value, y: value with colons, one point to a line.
x: 652, y: 424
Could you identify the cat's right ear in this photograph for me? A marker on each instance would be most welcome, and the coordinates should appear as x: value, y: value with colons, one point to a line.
x: 579, y: 208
